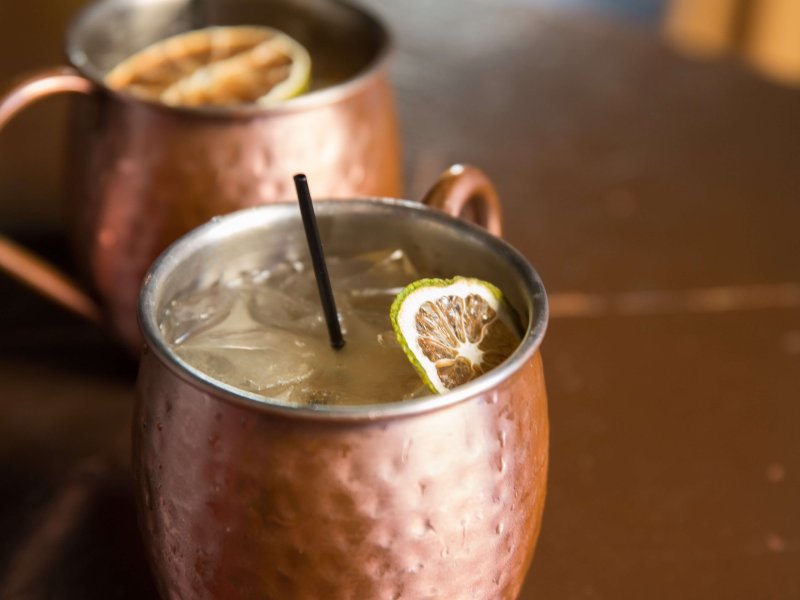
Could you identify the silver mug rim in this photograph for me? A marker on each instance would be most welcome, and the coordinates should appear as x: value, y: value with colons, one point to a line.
x: 323, y: 97
x: 247, y: 218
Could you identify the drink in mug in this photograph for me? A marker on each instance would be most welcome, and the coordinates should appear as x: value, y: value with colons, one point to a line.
x: 141, y: 173
x: 318, y: 478
x: 263, y: 331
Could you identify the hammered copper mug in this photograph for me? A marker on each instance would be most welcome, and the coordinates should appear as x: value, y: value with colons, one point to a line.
x: 439, y: 497
x: 141, y: 174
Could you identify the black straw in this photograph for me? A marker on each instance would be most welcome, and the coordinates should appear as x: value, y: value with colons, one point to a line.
x: 318, y: 260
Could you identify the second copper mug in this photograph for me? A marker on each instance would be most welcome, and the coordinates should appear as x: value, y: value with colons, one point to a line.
x: 141, y: 174
x: 440, y: 497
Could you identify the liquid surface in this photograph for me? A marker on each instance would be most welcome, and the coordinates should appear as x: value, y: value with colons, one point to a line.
x: 265, y: 332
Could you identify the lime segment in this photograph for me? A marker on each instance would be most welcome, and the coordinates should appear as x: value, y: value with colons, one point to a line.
x: 453, y: 330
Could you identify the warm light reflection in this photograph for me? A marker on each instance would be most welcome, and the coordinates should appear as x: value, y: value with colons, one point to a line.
x: 764, y: 33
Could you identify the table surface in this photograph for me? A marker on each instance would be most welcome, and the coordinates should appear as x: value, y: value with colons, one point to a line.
x: 657, y: 197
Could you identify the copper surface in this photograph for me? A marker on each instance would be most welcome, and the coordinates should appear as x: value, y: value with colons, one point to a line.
x: 14, y: 259
x: 47, y: 280
x: 240, y: 497
x: 143, y: 174
x: 465, y: 190
x: 238, y: 504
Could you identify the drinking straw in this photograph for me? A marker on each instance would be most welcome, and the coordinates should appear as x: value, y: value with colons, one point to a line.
x: 318, y: 260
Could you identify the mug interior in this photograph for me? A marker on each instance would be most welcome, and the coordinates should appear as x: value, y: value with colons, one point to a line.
x: 343, y: 41
x: 438, y: 245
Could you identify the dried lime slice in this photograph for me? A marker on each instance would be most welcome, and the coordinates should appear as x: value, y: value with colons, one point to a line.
x: 453, y: 330
x: 217, y: 66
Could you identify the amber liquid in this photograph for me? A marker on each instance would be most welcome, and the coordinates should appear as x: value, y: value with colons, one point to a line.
x: 264, y: 332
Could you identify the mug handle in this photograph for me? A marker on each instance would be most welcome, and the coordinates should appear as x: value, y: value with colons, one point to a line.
x: 16, y: 261
x: 463, y: 191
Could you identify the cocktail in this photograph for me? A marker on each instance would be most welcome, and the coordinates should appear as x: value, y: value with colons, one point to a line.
x: 263, y: 331
x: 146, y: 169
x: 324, y: 473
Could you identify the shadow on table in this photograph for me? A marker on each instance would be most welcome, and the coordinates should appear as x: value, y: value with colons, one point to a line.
x: 78, y: 540
x: 33, y: 329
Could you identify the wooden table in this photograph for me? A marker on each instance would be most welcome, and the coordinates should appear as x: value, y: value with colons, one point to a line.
x: 660, y: 201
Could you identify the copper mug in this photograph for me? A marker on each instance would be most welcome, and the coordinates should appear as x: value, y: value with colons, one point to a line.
x: 440, y: 497
x: 141, y: 174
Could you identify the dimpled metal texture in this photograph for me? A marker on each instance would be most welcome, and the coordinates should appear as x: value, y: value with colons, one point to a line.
x: 146, y: 173
x: 150, y: 175
x: 241, y: 503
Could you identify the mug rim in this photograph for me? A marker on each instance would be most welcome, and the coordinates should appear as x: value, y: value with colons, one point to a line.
x: 247, y: 218
x: 326, y: 96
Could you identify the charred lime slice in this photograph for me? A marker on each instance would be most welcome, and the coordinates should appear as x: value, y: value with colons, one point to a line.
x: 217, y: 66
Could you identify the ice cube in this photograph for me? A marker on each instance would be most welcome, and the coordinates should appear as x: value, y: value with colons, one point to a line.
x: 194, y: 312
x: 243, y: 352
x: 274, y: 274
x: 373, y: 289
x: 250, y: 339
x: 277, y: 308
x: 388, y: 339
x: 379, y: 272
x: 366, y: 284
x: 302, y: 315
x: 256, y: 370
x: 265, y: 332
x: 300, y: 283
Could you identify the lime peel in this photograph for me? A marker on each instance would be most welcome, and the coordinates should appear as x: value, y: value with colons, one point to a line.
x: 299, y: 79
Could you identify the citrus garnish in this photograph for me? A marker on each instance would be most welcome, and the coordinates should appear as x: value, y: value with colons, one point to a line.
x: 453, y: 330
x: 217, y: 66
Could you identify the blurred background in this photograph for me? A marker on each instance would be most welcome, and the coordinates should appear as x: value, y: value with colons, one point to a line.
x: 763, y: 34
